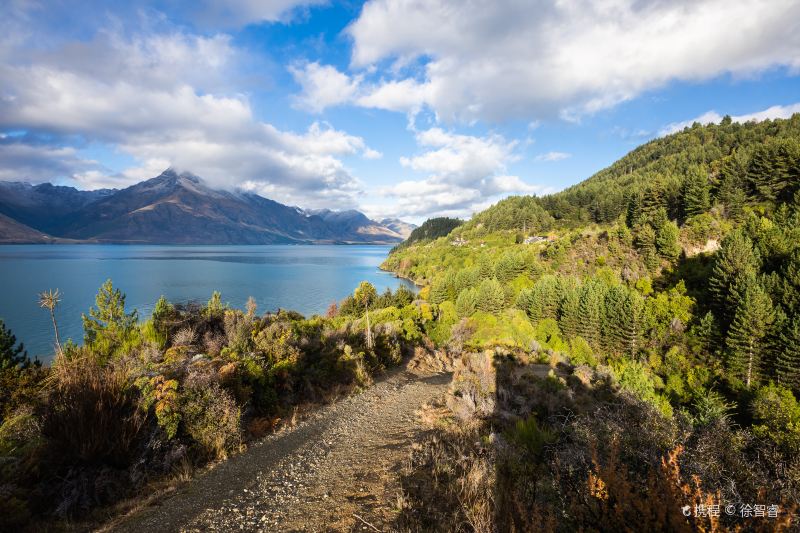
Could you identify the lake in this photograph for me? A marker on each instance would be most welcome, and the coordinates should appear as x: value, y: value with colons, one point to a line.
x: 303, y: 278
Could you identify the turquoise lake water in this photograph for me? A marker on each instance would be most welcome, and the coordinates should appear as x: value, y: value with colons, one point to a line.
x: 304, y: 278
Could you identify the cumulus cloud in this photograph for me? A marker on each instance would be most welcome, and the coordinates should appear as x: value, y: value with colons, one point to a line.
x: 162, y: 99
x: 553, y: 156
x: 24, y: 160
x: 712, y: 117
x: 463, y: 174
x: 495, y: 60
x: 323, y: 86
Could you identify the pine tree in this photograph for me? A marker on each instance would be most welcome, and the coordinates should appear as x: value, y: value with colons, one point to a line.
x: 748, y: 336
x: 646, y: 243
x: 569, y: 310
x: 667, y: 244
x: 108, y: 324
x: 440, y: 290
x: 624, y: 317
x: 590, y: 310
x: 12, y: 355
x: 787, y: 365
x: 760, y: 172
x: 465, y: 278
x: 790, y: 283
x: 485, y: 268
x: 735, y: 260
x: 467, y: 302
x: 633, y: 213
x: 491, y: 297
x: 696, y: 198
x: 510, y: 265
x: 542, y: 300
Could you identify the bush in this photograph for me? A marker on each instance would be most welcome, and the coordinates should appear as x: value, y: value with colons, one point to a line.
x: 777, y: 416
x: 212, y: 419
x: 91, y: 414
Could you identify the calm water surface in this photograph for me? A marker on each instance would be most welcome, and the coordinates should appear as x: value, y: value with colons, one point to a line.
x: 303, y: 278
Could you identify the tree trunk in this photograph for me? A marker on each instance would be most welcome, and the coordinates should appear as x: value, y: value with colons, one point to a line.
x: 55, y: 328
x: 369, y: 329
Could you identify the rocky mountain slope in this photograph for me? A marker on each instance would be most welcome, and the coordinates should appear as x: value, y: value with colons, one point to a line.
x: 175, y: 208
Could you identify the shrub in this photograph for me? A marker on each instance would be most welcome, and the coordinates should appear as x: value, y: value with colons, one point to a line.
x: 212, y: 419
x: 777, y: 415
x: 91, y: 414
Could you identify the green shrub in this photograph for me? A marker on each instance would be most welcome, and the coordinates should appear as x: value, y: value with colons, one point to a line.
x: 776, y: 414
x: 212, y: 419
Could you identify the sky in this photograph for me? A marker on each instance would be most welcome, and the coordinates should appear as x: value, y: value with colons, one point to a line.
x: 399, y: 108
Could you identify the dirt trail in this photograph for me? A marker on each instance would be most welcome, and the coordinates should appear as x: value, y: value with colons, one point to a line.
x: 335, y: 471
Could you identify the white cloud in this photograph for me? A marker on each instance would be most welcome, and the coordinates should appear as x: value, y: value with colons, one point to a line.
x: 322, y: 86
x: 26, y: 161
x: 553, y: 156
x: 712, y: 117
x: 495, y: 60
x: 369, y: 153
x: 164, y: 100
x: 463, y: 174
x: 240, y: 12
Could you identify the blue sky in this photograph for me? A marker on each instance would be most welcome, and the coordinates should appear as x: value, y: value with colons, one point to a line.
x: 396, y: 107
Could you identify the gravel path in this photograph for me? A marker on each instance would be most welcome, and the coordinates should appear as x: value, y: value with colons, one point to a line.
x: 335, y: 471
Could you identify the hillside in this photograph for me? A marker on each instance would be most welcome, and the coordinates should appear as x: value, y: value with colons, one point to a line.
x: 662, y: 290
x: 12, y: 231
x: 177, y: 208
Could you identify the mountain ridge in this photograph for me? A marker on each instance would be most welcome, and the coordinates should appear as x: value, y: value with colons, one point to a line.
x: 174, y: 208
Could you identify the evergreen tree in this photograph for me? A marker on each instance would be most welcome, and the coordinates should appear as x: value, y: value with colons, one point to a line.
x: 569, y: 310
x: 440, y: 289
x: 748, y: 336
x: 646, y: 243
x: 787, y: 365
x: 485, y: 268
x: 735, y: 261
x: 467, y: 302
x: 542, y: 300
x: 623, y: 324
x: 667, y: 240
x: 731, y: 184
x: 789, y: 283
x: 214, y: 307
x: 510, y: 265
x: 760, y: 172
x: 491, y: 297
x: 403, y: 296
x: 108, y: 325
x: 633, y: 214
x: 696, y: 198
x: 465, y: 278
x: 12, y: 355
x: 590, y: 310
x: 163, y: 314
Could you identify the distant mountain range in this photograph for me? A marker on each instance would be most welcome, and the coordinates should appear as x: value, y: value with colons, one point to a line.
x: 175, y: 208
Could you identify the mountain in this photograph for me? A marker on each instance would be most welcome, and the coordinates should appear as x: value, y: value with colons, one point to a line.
x: 357, y: 223
x: 400, y: 227
x: 175, y: 208
x: 13, y: 232
x: 45, y: 206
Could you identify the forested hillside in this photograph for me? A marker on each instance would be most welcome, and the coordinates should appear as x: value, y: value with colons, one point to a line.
x: 663, y: 295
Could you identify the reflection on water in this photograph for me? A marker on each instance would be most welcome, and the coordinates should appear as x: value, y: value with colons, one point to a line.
x: 304, y: 278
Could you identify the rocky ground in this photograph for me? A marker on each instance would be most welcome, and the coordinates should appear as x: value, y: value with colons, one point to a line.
x: 335, y: 471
